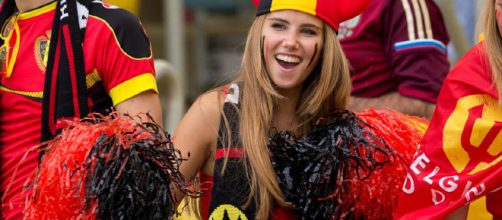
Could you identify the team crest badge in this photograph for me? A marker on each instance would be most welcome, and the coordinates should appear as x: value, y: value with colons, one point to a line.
x: 42, y: 50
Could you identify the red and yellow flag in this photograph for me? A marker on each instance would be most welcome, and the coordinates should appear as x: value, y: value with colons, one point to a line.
x: 458, y: 162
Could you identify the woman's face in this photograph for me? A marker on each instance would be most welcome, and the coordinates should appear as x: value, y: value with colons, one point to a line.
x: 292, y: 42
x: 498, y: 14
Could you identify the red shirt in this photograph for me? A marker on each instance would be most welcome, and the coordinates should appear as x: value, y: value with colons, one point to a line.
x: 397, y: 45
x: 122, y: 63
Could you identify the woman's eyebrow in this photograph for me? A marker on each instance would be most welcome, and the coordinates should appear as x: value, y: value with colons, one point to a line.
x: 309, y: 25
x: 302, y: 25
x: 279, y: 19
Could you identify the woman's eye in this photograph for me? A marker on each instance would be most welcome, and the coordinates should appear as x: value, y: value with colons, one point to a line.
x: 278, y: 26
x: 309, y: 32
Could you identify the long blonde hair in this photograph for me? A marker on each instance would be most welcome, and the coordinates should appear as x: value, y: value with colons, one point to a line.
x: 326, y: 91
x: 493, y: 44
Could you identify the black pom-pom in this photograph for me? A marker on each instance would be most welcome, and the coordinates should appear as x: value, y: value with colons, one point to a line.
x: 314, y: 171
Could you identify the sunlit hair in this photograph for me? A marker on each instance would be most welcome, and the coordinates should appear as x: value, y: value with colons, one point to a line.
x: 326, y: 89
x: 493, y: 44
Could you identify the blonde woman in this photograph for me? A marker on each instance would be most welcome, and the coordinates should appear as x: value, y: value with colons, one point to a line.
x: 456, y: 172
x: 293, y: 72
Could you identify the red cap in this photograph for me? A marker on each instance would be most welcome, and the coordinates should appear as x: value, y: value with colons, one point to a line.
x: 332, y: 12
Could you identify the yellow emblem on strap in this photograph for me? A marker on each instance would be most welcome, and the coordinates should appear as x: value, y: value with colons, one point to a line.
x: 227, y: 212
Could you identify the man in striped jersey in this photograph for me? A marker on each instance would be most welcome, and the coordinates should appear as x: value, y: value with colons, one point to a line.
x: 397, y: 52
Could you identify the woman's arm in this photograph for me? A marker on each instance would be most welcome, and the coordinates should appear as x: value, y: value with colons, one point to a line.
x: 394, y: 100
x: 196, y: 136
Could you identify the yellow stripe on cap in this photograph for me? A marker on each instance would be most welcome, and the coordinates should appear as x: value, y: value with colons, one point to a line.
x: 307, y: 6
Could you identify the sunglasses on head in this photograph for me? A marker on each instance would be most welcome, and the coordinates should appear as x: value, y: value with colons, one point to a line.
x: 5, y: 35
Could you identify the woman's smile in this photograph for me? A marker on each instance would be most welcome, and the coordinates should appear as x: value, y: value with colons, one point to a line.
x: 290, y: 41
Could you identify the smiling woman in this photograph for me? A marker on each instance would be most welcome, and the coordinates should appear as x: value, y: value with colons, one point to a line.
x: 293, y: 73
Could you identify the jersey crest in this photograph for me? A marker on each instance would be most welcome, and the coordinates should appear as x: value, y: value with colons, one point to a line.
x: 41, y: 50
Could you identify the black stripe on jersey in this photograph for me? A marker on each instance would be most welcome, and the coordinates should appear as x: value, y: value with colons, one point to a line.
x: 126, y: 27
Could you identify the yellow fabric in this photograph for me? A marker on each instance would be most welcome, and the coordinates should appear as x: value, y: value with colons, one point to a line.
x: 11, y: 59
x: 185, y: 215
x: 133, y: 87
x: 307, y: 6
x: 477, y: 210
x: 29, y: 94
x: 232, y: 212
x: 38, y: 11
x: 454, y: 127
x: 92, y: 78
x: 130, y: 5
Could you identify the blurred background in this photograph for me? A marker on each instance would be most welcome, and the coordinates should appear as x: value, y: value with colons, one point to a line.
x: 198, y: 44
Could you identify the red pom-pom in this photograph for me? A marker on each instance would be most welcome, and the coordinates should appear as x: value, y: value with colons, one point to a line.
x: 113, y: 167
x: 376, y: 197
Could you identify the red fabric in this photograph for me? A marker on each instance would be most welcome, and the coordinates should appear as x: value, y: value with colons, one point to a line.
x: 332, y: 12
x: 460, y: 154
x: 205, y: 199
x: 369, y: 42
x: 20, y: 118
x: 71, y: 64
x: 232, y: 153
x: 494, y: 203
x: 281, y: 213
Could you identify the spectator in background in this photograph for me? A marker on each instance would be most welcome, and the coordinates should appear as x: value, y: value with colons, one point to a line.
x: 397, y: 51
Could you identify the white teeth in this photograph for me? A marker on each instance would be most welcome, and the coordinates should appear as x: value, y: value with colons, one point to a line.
x: 288, y: 59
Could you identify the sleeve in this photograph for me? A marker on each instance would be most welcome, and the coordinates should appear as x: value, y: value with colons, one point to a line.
x: 417, y: 47
x: 126, y: 64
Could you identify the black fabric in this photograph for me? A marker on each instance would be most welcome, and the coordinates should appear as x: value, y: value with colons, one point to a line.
x: 231, y: 188
x: 125, y: 26
x: 101, y: 101
x: 65, y: 67
x: 8, y: 9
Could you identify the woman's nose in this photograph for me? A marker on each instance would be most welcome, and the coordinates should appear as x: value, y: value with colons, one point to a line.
x: 291, y: 41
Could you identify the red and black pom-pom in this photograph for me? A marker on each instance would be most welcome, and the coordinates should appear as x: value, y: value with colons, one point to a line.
x: 350, y: 166
x: 114, y: 167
